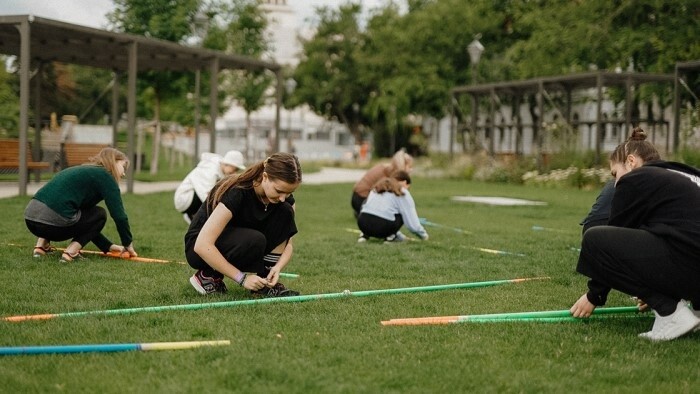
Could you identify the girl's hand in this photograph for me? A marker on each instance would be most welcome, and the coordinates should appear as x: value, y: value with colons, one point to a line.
x: 582, y: 307
x: 254, y: 282
x: 130, y: 249
x: 120, y: 250
x: 273, y: 276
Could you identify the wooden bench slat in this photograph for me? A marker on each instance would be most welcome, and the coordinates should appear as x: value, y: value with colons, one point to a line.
x: 9, y: 156
x: 74, y: 154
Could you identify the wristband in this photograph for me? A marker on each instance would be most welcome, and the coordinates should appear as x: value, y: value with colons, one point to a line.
x: 240, y: 278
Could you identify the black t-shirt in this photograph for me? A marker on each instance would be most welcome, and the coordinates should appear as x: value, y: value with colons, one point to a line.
x: 248, y: 211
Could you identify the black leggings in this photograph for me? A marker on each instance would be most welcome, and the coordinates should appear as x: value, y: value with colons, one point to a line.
x: 243, y: 247
x: 640, y: 264
x: 356, y: 203
x: 92, y: 221
x: 375, y: 226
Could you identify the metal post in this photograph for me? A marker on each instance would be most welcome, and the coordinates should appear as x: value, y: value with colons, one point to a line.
x: 197, y: 115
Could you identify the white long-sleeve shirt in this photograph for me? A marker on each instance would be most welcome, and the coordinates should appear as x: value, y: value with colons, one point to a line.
x: 386, y: 205
x: 199, y: 181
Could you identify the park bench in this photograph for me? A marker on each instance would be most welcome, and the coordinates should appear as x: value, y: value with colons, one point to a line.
x: 74, y: 154
x: 9, y: 156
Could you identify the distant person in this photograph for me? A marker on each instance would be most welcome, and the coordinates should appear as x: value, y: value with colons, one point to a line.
x: 197, y: 184
x: 641, y: 151
x: 390, y: 206
x: 401, y: 161
x: 246, y: 225
x: 650, y: 248
x: 66, y: 207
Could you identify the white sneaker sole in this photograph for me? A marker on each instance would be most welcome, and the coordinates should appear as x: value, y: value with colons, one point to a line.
x: 197, y: 286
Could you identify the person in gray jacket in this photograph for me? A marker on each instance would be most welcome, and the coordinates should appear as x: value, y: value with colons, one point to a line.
x: 390, y: 206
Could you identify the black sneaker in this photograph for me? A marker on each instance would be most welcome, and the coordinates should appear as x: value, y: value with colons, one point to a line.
x: 278, y: 290
x: 206, y: 285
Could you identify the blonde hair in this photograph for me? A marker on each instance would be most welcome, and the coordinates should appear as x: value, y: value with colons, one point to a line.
x: 108, y: 158
x: 280, y: 166
x: 401, y: 161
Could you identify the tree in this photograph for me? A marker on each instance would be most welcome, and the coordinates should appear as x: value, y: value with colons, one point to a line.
x: 242, y: 31
x: 169, y: 20
x: 329, y: 76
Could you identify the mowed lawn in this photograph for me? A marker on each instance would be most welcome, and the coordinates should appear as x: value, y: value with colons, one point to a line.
x: 339, y: 345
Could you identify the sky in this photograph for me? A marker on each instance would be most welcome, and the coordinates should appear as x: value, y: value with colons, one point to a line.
x: 92, y: 12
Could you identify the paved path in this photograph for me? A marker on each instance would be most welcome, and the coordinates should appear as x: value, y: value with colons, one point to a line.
x: 326, y: 175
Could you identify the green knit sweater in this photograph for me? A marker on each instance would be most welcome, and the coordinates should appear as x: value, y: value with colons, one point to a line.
x: 80, y: 187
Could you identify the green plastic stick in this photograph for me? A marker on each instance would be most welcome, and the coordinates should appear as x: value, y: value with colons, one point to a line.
x: 300, y: 298
x: 541, y: 314
x: 549, y: 319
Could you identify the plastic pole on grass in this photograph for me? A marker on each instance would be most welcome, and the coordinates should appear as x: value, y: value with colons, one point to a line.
x: 300, y: 298
x: 427, y: 222
x: 553, y: 319
x: 499, y: 252
x: 564, y: 313
x: 105, y: 348
x: 117, y: 255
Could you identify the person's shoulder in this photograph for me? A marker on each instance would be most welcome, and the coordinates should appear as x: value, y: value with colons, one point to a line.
x: 672, y: 165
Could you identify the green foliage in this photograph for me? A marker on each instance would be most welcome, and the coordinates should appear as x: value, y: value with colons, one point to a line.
x: 406, y: 63
x: 242, y: 31
x: 339, y: 345
x: 9, y: 104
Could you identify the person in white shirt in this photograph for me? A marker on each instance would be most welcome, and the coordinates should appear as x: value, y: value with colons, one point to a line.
x: 390, y: 206
x: 196, y: 186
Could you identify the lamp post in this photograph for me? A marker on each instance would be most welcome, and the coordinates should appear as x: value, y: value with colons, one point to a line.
x: 289, y: 85
x: 475, y: 49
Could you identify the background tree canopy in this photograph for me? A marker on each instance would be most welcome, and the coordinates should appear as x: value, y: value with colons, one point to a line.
x: 371, y: 73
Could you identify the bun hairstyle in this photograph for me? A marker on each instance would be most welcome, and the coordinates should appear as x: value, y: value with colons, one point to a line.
x: 401, y: 161
x: 637, y: 145
x: 279, y: 166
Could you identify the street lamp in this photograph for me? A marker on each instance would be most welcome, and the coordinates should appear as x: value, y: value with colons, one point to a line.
x: 475, y: 49
x: 289, y: 85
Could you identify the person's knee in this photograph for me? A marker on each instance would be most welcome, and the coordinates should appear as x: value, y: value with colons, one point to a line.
x: 257, y: 241
x: 593, y: 236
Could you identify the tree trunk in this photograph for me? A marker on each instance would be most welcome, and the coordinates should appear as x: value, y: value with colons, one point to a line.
x: 156, y: 139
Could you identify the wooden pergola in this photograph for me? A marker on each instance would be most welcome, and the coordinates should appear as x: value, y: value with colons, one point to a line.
x: 681, y: 69
x: 540, y: 88
x: 36, y: 41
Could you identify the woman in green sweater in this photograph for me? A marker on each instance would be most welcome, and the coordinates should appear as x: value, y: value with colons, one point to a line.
x: 66, y: 208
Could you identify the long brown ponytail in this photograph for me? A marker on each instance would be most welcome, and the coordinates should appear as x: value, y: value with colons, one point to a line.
x: 279, y: 166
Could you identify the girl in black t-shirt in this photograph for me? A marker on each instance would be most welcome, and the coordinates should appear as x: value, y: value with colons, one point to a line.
x: 246, y: 225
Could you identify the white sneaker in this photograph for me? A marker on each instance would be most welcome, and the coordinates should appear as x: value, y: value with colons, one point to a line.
x: 677, y: 324
x: 361, y: 240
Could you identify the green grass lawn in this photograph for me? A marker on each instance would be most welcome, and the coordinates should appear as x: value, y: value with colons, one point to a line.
x: 339, y: 345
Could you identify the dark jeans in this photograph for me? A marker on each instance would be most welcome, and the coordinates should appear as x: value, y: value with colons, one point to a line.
x: 638, y: 263
x: 92, y: 221
x: 374, y: 226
